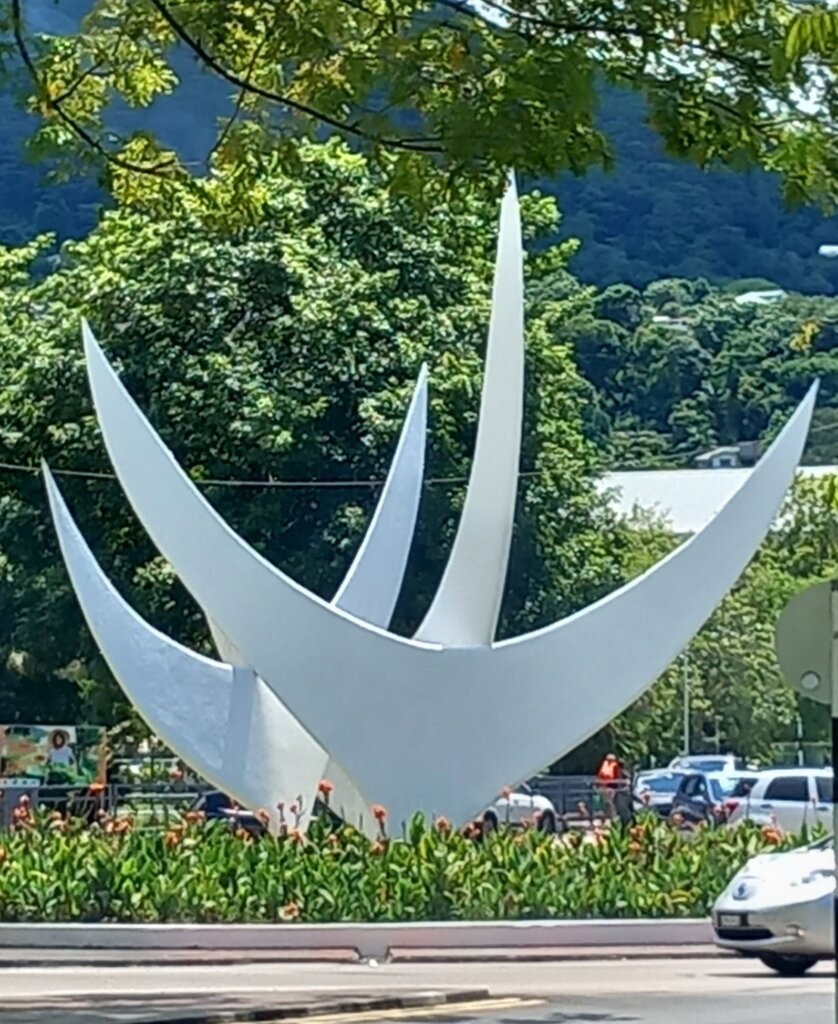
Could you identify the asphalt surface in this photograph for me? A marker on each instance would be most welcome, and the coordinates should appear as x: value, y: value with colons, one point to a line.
x: 637, y: 991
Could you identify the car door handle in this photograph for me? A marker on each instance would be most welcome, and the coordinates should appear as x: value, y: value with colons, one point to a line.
x: 766, y: 807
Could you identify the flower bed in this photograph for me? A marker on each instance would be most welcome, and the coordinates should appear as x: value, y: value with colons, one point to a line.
x: 52, y: 870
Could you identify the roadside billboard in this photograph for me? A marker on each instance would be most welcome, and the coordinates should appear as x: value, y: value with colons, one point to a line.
x: 56, y: 754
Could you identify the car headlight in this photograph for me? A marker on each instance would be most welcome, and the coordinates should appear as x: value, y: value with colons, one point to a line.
x: 744, y: 889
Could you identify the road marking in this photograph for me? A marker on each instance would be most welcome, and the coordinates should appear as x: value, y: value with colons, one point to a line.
x: 440, y: 1009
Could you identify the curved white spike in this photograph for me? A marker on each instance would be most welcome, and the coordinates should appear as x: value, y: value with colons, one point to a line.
x: 465, y: 609
x: 404, y: 717
x: 371, y: 587
x: 223, y: 721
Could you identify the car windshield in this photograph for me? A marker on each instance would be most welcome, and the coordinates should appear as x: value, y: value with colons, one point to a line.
x: 660, y: 783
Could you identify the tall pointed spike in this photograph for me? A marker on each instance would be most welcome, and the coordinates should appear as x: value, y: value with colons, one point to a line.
x: 465, y: 609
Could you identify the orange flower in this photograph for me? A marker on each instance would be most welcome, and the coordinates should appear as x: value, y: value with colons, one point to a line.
x: 297, y: 836
x: 442, y: 825
x: 194, y: 817
x: 333, y: 840
x: 325, y: 788
x: 506, y: 792
x: 635, y: 849
x: 175, y: 774
x: 24, y: 801
x: 379, y: 813
x: 290, y: 912
x: 243, y: 835
x: 773, y: 836
x: 377, y: 847
x: 263, y: 816
x: 172, y: 838
x: 3, y: 854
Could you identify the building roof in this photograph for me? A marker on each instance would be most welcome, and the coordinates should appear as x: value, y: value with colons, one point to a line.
x: 687, y: 498
x: 760, y: 298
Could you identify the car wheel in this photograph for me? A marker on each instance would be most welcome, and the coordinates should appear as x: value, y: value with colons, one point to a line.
x: 548, y: 823
x: 789, y: 965
x: 490, y: 821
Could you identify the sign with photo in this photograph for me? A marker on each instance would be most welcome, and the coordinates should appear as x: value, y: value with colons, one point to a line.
x: 52, y: 754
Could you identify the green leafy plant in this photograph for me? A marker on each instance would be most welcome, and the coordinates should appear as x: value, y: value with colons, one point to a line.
x: 55, y: 870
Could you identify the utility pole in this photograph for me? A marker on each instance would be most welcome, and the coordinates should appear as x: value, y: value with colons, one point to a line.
x: 685, y: 677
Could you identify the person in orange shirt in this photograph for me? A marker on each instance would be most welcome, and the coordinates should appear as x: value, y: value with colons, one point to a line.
x: 609, y: 776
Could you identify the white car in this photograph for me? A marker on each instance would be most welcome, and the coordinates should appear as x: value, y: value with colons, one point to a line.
x: 656, y: 789
x: 705, y: 763
x: 522, y: 806
x: 779, y: 907
x: 788, y: 797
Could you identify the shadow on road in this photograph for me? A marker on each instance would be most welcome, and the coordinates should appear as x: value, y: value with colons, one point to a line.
x: 124, y: 1008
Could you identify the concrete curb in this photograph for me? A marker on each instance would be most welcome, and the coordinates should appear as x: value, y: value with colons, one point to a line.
x: 368, y: 941
x: 336, y: 1006
x: 139, y: 958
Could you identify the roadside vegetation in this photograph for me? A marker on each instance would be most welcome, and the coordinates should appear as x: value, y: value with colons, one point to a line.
x: 55, y: 870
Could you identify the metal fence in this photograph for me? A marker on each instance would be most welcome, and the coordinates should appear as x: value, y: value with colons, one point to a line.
x: 151, y: 805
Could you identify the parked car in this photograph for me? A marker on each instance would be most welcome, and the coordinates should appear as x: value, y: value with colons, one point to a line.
x: 789, y: 797
x: 707, y: 763
x: 779, y: 908
x: 704, y: 796
x: 521, y: 806
x: 656, y: 789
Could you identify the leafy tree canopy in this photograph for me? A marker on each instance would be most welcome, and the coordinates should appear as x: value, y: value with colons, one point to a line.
x: 427, y: 85
x: 679, y: 368
x: 284, y: 350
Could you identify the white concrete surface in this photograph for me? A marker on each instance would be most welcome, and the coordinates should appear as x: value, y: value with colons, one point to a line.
x: 371, y: 940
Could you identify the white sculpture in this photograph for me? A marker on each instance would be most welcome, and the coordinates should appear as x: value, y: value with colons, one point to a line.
x: 442, y: 721
x: 220, y: 717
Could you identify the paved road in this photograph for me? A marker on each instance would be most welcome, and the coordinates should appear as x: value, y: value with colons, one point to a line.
x: 725, y: 991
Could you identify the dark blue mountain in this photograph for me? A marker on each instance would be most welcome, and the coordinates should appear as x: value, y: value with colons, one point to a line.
x: 651, y: 217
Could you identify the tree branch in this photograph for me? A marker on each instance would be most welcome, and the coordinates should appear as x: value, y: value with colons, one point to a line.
x: 55, y: 103
x: 239, y: 101
x: 274, y: 97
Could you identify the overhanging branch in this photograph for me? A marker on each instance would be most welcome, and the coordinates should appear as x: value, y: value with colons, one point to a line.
x: 56, y: 104
x: 344, y: 127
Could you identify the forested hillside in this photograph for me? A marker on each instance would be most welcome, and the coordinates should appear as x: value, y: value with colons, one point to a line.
x: 681, y: 367
x: 654, y: 217
x: 651, y: 217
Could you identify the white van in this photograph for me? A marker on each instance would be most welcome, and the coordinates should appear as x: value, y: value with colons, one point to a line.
x: 789, y: 797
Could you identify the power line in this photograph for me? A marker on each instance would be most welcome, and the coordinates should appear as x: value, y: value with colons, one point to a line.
x: 14, y: 467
